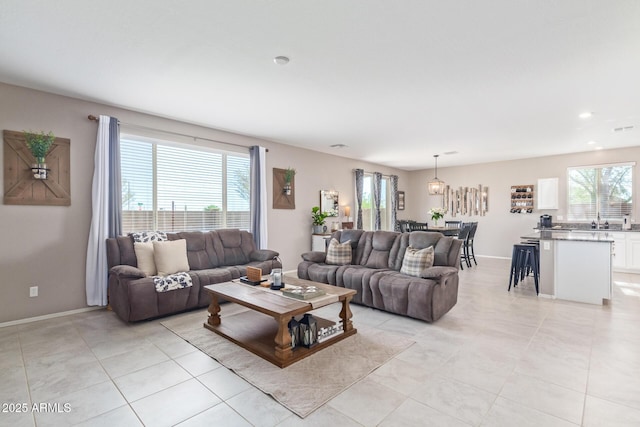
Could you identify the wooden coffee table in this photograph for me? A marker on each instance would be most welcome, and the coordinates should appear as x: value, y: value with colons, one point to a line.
x: 254, y: 329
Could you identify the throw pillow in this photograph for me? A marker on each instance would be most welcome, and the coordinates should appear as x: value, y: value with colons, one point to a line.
x: 171, y: 256
x: 338, y: 253
x: 144, y: 255
x: 416, y: 260
x: 149, y: 236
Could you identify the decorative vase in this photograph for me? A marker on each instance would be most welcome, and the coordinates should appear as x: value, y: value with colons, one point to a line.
x: 435, y: 222
x: 39, y: 169
x: 319, y: 229
x: 287, y: 189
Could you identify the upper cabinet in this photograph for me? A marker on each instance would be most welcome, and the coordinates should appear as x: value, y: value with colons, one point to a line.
x: 548, y: 193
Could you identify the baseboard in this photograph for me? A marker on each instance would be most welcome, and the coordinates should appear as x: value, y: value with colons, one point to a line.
x: 48, y: 316
x: 493, y: 257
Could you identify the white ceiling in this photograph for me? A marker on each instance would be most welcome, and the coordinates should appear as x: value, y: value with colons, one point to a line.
x: 396, y: 81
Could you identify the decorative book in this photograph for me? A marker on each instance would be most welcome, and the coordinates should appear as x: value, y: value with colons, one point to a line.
x: 254, y: 274
x: 245, y: 279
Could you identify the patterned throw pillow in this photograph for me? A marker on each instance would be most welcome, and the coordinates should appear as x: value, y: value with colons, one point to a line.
x: 416, y: 260
x: 338, y: 253
x: 149, y: 236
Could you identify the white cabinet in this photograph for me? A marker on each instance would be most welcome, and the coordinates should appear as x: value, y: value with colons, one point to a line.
x: 319, y: 242
x: 619, y: 250
x: 633, y: 251
x: 583, y: 271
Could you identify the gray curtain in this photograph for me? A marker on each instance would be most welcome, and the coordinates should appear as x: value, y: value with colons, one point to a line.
x: 115, y: 182
x: 394, y: 202
x: 106, y: 214
x: 258, y: 208
x: 359, y: 189
x: 377, y: 190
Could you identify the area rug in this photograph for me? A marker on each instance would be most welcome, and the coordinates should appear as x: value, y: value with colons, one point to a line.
x: 306, y: 385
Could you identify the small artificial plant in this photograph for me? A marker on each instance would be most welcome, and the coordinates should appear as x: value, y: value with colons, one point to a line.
x: 289, y: 173
x: 436, y: 213
x: 39, y: 144
x: 318, y: 216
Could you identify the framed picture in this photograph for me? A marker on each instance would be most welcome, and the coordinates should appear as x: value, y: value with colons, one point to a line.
x: 400, y: 200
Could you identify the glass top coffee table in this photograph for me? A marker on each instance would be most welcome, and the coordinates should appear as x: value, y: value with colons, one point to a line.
x: 263, y: 330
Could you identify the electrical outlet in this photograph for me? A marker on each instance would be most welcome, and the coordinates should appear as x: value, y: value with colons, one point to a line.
x: 33, y: 291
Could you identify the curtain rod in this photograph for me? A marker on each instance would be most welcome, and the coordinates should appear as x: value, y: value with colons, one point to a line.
x: 95, y: 119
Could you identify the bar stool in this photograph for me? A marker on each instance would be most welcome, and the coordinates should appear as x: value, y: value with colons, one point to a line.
x: 525, y: 259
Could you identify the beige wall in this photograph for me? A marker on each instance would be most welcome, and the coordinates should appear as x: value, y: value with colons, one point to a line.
x: 46, y: 246
x: 500, y: 229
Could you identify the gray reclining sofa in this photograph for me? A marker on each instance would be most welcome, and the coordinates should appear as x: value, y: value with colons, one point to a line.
x: 374, y: 272
x: 214, y: 257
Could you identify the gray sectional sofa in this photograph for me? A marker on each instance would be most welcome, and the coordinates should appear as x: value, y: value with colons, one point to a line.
x: 214, y: 257
x: 374, y: 272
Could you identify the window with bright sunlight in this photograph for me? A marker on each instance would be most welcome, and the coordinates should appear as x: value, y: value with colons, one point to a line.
x: 605, y: 190
x: 181, y: 188
x: 368, y: 221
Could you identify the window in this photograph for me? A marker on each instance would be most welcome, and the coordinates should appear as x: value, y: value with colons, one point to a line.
x: 605, y: 190
x: 179, y: 187
x: 368, y: 218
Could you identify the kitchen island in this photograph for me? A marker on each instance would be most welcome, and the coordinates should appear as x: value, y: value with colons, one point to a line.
x: 575, y: 266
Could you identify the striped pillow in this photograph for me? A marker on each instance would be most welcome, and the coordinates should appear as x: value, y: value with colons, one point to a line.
x: 338, y: 253
x: 416, y: 260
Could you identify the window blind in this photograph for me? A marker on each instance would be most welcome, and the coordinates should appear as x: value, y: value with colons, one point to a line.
x: 604, y: 190
x: 179, y: 188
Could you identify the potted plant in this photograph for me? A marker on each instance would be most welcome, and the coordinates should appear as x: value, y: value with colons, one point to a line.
x: 289, y: 173
x: 318, y: 218
x: 436, y: 214
x: 39, y: 145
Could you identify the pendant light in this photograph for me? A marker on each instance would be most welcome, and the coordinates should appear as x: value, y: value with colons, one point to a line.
x: 436, y: 186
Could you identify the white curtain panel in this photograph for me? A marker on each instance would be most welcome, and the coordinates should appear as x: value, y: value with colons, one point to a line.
x: 96, y: 269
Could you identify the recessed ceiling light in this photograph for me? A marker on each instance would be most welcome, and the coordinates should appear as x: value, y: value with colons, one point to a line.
x: 338, y: 146
x: 585, y: 115
x: 591, y: 142
x: 281, y: 60
x: 598, y: 148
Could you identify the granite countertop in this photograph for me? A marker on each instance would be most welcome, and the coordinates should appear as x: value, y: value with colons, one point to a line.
x: 582, y: 236
x: 581, y: 226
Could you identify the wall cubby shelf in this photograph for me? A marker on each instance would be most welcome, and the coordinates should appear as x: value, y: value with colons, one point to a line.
x: 522, y: 198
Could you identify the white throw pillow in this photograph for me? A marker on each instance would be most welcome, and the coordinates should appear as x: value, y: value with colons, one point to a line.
x: 170, y: 256
x: 144, y: 255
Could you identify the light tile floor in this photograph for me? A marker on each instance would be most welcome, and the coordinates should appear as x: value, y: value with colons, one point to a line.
x: 497, y: 359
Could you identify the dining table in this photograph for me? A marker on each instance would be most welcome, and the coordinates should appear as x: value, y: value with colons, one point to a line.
x: 447, y: 231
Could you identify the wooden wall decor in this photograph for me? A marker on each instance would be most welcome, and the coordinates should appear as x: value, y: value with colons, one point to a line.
x: 466, y: 200
x: 20, y: 188
x: 280, y: 199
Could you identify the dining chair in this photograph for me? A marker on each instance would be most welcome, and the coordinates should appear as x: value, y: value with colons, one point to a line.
x: 452, y: 224
x: 418, y: 226
x: 469, y: 243
x: 463, y: 235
